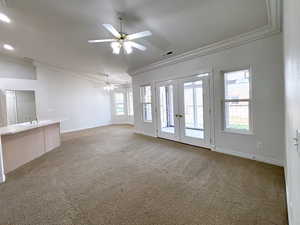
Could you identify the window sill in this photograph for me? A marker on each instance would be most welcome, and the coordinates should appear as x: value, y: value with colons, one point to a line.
x: 241, y: 132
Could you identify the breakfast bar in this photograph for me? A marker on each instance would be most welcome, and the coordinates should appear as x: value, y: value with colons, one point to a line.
x: 22, y: 143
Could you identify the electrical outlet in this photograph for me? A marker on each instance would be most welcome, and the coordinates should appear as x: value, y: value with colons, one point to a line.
x: 259, y: 146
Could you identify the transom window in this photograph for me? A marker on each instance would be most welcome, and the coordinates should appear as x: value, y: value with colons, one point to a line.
x: 146, y: 102
x: 237, y: 101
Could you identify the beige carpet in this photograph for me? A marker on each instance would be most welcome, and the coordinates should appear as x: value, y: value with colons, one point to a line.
x: 112, y: 176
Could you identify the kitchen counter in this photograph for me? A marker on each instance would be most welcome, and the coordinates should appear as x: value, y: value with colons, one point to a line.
x: 22, y: 143
x: 21, y: 127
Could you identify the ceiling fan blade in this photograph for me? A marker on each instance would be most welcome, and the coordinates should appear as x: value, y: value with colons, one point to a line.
x: 112, y: 30
x: 103, y: 40
x: 139, y: 35
x: 138, y: 46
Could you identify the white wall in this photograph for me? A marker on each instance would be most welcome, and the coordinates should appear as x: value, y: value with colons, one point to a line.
x: 292, y: 100
x: 63, y: 95
x: 16, y: 67
x: 266, y: 60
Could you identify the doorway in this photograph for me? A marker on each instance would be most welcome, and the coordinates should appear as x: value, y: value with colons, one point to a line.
x: 183, y: 110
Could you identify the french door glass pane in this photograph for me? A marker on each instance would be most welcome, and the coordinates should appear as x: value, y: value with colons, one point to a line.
x: 193, y: 109
x: 237, y: 115
x: 167, y: 109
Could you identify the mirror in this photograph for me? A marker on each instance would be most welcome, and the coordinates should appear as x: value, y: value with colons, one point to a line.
x: 20, y: 106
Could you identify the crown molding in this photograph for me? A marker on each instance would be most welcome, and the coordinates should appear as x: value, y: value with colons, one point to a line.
x: 97, y: 78
x: 14, y: 59
x: 94, y: 78
x: 273, y: 27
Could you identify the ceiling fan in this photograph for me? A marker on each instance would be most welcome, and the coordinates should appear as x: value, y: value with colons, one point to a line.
x: 123, y: 40
x: 109, y: 86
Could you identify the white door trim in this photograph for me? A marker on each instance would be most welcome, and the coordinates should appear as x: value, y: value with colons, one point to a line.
x: 205, y: 142
x: 209, y: 100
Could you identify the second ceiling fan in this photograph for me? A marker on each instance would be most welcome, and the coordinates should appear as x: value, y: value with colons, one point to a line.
x: 122, y: 39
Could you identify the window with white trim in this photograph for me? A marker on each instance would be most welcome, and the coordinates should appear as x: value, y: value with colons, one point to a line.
x: 119, y: 104
x: 146, y: 103
x: 237, y: 101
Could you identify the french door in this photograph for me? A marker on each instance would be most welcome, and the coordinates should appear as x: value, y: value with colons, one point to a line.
x: 183, y: 110
x: 167, y: 110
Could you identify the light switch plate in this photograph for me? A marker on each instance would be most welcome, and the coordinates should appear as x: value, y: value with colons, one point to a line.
x: 297, y: 139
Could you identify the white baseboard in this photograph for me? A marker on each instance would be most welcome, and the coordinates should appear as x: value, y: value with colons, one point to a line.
x: 144, y: 133
x: 122, y: 123
x: 255, y: 157
x: 85, y: 128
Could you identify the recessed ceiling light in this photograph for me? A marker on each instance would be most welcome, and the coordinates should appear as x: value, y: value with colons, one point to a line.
x: 4, y: 18
x: 8, y: 47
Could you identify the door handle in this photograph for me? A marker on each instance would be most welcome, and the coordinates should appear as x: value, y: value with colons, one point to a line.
x: 296, y: 143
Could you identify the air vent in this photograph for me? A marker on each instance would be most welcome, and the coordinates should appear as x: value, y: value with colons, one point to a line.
x: 169, y: 53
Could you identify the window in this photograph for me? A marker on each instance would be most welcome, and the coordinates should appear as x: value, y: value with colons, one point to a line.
x: 130, y: 102
x: 119, y: 104
x: 237, y: 101
x: 146, y: 103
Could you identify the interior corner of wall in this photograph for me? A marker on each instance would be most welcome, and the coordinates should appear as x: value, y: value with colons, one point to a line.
x: 2, y: 178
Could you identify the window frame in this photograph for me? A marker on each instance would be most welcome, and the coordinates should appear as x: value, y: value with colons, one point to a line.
x: 250, y: 103
x: 144, y: 103
x: 115, y: 104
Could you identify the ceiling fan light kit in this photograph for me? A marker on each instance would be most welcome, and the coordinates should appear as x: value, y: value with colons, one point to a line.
x: 123, y: 40
x: 116, y: 46
x: 108, y: 85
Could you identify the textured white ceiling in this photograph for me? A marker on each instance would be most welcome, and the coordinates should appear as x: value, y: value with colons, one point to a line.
x: 56, y: 31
